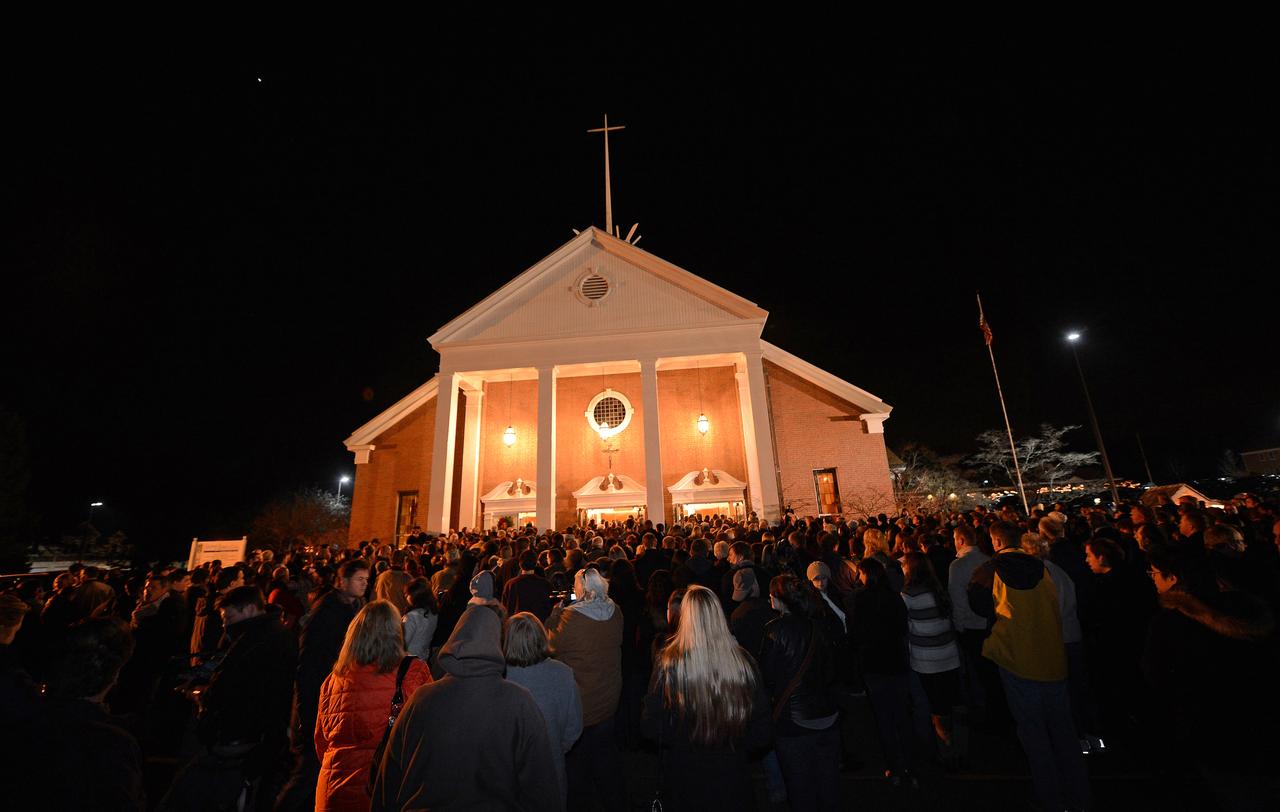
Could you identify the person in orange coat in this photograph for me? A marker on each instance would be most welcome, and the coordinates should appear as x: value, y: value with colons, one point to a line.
x: 355, y: 701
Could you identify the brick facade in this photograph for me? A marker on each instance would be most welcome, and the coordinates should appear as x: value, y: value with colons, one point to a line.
x: 814, y: 429
x: 401, y: 462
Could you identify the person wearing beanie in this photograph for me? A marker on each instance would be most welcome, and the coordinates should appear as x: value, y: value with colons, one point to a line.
x: 482, y: 589
x: 819, y: 574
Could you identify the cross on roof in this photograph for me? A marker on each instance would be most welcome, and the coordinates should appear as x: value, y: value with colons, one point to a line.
x: 608, y: 193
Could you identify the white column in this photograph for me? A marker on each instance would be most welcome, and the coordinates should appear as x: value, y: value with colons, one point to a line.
x: 546, y: 504
x: 469, y: 503
x: 655, y: 510
x: 759, y: 399
x: 442, y: 453
x: 749, y: 438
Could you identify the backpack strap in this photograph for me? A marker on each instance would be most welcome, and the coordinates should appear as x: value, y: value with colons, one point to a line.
x: 397, y: 702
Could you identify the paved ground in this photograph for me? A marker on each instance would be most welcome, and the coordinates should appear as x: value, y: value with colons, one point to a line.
x: 997, y: 778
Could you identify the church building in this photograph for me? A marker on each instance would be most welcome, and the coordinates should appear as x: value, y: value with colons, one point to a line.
x: 603, y: 383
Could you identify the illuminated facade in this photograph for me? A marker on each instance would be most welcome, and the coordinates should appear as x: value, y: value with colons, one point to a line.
x: 605, y: 382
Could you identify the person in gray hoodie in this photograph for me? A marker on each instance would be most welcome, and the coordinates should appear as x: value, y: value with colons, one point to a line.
x: 471, y: 740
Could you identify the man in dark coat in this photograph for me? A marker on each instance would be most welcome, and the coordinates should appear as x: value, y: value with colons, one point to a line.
x: 244, y: 711
x: 752, y: 611
x: 698, y: 569
x: 206, y: 628
x: 471, y: 739
x: 529, y: 591
x: 650, y: 561
x: 324, y: 629
x: 739, y: 559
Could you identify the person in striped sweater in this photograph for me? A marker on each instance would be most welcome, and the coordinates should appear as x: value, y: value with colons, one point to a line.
x: 935, y: 657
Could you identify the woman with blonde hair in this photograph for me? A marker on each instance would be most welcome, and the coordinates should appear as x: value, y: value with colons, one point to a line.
x: 707, y: 709
x: 355, y: 702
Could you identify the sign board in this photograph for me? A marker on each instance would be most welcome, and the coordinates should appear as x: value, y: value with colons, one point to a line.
x: 228, y: 552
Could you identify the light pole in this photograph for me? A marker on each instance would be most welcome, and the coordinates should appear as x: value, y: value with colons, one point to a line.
x: 343, y: 480
x: 92, y: 505
x: 1072, y: 338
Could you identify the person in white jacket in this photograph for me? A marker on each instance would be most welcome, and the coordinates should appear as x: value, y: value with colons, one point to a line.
x: 421, y: 619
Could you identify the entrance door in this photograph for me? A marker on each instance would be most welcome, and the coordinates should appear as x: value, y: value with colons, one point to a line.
x: 828, y: 491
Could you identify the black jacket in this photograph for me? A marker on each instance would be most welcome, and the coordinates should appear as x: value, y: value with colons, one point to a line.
x: 697, y: 570
x: 326, y: 628
x: 248, y: 698
x: 748, y: 621
x: 782, y: 652
x: 878, y: 631
x: 1211, y: 664
x: 695, y: 776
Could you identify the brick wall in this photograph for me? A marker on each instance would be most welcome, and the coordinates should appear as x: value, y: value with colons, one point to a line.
x: 683, y: 448
x: 578, y: 448
x: 401, y: 462
x: 515, y: 404
x: 814, y: 429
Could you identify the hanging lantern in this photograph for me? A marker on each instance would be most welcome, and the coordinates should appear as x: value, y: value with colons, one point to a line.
x: 603, y: 429
x: 703, y: 424
x: 509, y: 436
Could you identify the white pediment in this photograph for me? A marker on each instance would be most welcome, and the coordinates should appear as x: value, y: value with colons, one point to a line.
x: 610, y: 491
x: 517, y: 495
x: 706, y: 486
x: 597, y: 285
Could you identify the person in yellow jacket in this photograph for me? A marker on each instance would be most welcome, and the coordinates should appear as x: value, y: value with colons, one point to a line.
x: 1016, y: 593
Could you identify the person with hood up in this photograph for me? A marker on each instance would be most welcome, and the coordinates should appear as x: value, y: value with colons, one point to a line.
x: 471, y: 740
x: 586, y: 635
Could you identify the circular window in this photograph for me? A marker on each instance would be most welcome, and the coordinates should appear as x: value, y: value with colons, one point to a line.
x: 609, y: 413
x: 592, y: 287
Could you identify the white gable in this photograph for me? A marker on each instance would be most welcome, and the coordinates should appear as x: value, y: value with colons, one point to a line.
x: 644, y: 293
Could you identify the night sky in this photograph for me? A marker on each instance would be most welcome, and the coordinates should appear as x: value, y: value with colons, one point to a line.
x: 217, y: 266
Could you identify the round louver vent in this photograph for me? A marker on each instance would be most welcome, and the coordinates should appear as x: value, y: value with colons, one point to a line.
x: 594, y: 287
x: 609, y: 410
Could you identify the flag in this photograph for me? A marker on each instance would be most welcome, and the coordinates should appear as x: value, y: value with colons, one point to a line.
x: 986, y: 328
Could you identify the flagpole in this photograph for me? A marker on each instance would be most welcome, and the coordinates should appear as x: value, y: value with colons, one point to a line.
x: 986, y: 332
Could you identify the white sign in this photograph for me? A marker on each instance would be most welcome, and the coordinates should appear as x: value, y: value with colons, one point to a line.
x: 228, y: 552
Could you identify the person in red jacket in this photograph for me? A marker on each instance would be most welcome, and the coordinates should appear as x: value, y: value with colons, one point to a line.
x: 355, y: 701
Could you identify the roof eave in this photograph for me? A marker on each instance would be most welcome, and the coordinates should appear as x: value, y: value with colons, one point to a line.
x: 819, y: 377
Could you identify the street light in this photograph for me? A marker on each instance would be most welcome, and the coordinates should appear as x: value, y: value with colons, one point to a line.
x: 342, y: 481
x: 1072, y: 338
x: 92, y: 505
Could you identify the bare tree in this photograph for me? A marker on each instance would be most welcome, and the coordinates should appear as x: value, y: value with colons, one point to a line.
x: 1044, y: 457
x: 928, y: 482
x: 309, y: 516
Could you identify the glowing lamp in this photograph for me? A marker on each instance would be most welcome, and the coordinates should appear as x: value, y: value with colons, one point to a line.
x: 604, y: 430
x: 703, y: 424
x: 509, y: 436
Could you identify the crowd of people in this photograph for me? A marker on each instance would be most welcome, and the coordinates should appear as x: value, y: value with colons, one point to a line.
x: 513, y: 669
